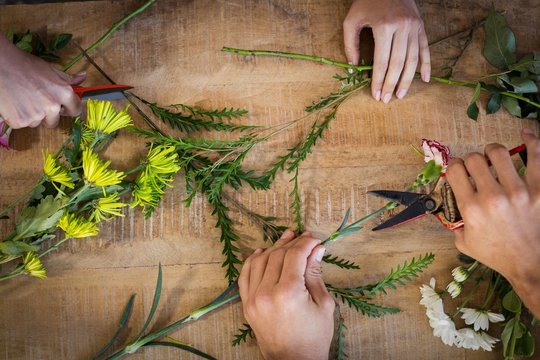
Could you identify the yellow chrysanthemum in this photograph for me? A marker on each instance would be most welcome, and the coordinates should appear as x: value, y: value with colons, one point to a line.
x: 56, y: 172
x: 102, y: 117
x: 160, y: 168
x: 96, y: 172
x: 107, y: 207
x: 76, y: 226
x: 33, y: 265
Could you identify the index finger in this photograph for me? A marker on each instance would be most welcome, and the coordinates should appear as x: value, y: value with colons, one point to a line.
x: 383, y: 44
x: 295, y: 261
x: 533, y: 156
x: 458, y: 178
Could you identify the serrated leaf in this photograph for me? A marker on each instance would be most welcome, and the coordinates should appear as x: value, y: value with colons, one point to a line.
x: 36, y: 219
x: 511, y: 105
x: 500, y: 43
x: 494, y: 103
x: 60, y: 41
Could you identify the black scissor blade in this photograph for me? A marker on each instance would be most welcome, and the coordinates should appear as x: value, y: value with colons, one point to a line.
x: 400, y: 197
x: 412, y: 212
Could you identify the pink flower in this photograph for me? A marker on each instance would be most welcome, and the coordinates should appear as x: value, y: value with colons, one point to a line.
x: 434, y: 150
x: 4, y: 136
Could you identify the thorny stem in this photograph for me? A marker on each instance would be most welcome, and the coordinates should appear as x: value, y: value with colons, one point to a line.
x: 108, y: 34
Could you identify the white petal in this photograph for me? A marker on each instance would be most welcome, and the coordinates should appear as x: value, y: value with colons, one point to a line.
x: 494, y: 317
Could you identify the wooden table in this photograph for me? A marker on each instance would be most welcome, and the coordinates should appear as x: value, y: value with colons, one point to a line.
x: 171, y: 54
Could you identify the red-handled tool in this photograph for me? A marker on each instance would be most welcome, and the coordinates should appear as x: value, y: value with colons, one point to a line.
x: 440, y: 202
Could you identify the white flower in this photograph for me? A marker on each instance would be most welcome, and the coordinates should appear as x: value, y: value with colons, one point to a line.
x: 429, y: 295
x: 434, y: 150
x: 460, y: 274
x: 444, y: 328
x: 480, y: 318
x: 454, y: 289
x: 467, y: 338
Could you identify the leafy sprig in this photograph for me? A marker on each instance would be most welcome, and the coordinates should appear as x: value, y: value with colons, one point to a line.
x: 244, y: 333
x: 340, y: 262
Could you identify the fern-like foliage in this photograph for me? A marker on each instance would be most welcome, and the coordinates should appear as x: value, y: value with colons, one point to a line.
x: 296, y: 204
x: 190, y: 119
x: 228, y: 238
x: 361, y: 304
x: 341, y: 355
x: 340, y: 262
x: 245, y: 333
x: 402, y: 273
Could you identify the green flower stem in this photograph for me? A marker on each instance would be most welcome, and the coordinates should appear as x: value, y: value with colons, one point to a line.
x: 54, y: 247
x: 19, y: 270
x: 290, y: 55
x: 470, y: 84
x: 109, y: 33
x: 491, y: 290
x: 229, y: 295
x: 471, y: 293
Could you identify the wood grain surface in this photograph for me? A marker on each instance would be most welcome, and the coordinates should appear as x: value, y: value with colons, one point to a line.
x: 172, y: 54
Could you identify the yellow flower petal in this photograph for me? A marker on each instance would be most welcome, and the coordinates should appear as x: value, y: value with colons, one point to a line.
x: 56, y: 172
x: 33, y: 265
x: 96, y: 172
x: 76, y: 226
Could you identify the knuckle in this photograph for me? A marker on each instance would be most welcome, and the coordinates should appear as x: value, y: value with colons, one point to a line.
x: 473, y: 158
x: 496, y: 201
x: 412, y: 60
x: 380, y: 66
x: 328, y: 304
x: 496, y: 150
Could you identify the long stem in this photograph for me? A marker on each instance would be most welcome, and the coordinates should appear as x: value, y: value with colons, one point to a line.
x: 108, y: 33
x: 54, y: 247
x: 13, y: 273
x: 470, y: 294
x: 229, y: 295
x: 298, y: 56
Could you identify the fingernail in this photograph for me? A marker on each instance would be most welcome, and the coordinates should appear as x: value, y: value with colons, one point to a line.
x: 527, y: 131
x: 426, y: 76
x: 81, y: 73
x: 387, y: 98
x: 350, y: 70
x: 257, y: 251
x: 378, y: 95
x: 320, y: 254
x: 401, y: 93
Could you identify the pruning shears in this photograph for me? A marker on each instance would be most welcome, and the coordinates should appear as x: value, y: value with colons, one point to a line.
x: 99, y: 92
x: 440, y: 202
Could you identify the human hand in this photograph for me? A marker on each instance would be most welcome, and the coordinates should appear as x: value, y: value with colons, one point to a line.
x: 501, y: 215
x: 400, y: 41
x: 32, y: 91
x: 285, y: 300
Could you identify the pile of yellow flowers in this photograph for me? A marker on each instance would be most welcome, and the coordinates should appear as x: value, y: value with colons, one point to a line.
x: 87, y: 190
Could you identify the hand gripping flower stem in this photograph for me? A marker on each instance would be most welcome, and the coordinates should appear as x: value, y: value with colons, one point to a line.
x: 109, y: 33
x: 469, y: 84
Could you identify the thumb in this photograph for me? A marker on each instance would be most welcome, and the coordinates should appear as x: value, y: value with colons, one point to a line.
x: 77, y: 78
x: 314, y: 282
x: 460, y: 240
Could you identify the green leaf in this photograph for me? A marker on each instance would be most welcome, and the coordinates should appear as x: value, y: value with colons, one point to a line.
x: 523, y: 85
x: 506, y: 335
x: 511, y: 105
x: 512, y: 302
x: 25, y: 46
x: 9, y: 34
x: 16, y: 248
x: 526, y: 344
x: 60, y: 41
x: 43, y: 217
x: 472, y: 109
x: 157, y: 295
x: 245, y: 332
x: 182, y: 346
x: 529, y: 62
x: 121, y: 325
x: 37, y: 192
x: 345, y: 219
x: 494, y: 103
x: 339, y: 262
x: 535, y: 321
x: 500, y: 43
